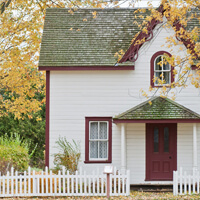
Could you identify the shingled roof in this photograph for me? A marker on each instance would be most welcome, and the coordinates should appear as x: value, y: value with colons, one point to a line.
x: 80, y: 40
x: 161, y: 108
x: 70, y: 40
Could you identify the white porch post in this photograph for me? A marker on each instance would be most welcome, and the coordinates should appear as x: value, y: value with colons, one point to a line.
x: 123, y: 148
x: 195, y: 146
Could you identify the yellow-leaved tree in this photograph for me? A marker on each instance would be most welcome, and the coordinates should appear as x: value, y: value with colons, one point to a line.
x: 21, y: 24
x: 183, y: 16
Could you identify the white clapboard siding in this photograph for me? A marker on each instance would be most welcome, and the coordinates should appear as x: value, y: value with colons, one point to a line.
x: 63, y: 184
x: 184, y: 183
x: 75, y: 95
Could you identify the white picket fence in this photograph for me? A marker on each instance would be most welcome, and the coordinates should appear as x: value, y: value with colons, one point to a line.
x: 184, y: 183
x: 32, y: 183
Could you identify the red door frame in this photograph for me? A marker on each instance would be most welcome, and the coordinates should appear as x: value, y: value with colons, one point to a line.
x: 148, y: 154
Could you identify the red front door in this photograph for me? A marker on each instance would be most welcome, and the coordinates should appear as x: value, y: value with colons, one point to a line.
x: 161, y: 151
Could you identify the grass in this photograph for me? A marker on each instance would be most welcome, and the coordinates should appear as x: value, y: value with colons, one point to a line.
x: 134, y: 196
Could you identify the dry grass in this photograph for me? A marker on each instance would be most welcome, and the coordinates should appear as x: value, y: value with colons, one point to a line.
x: 134, y: 196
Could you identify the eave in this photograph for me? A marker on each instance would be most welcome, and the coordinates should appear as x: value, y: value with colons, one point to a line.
x: 132, y: 53
x: 117, y: 121
x: 86, y: 68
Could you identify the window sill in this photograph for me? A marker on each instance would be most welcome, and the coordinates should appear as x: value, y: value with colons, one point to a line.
x: 97, y: 161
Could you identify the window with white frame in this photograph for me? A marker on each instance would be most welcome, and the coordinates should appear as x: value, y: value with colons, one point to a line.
x: 162, y: 71
x: 98, y: 140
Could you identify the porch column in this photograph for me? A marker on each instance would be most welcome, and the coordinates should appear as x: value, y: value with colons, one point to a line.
x: 123, y: 148
x: 195, y: 146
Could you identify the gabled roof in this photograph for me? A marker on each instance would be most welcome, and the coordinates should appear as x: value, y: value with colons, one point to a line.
x: 70, y: 40
x: 160, y: 109
x: 131, y: 53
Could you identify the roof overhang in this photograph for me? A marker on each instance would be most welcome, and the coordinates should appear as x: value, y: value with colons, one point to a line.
x: 158, y: 110
x: 132, y: 53
x: 86, y: 68
x: 155, y: 121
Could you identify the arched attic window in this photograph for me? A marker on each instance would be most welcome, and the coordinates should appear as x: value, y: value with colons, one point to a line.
x: 161, y: 70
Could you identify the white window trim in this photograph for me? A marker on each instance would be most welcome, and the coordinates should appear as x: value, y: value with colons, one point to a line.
x: 104, y: 140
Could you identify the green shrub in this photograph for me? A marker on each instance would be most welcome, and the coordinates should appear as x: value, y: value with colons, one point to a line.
x: 14, y: 152
x: 68, y: 156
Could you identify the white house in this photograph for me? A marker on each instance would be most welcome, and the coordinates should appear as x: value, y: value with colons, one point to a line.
x: 96, y: 100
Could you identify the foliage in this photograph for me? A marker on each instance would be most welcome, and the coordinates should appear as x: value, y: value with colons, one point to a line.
x: 5, y: 166
x: 68, y: 156
x: 176, y: 14
x: 21, y: 24
x: 14, y: 151
x: 30, y: 129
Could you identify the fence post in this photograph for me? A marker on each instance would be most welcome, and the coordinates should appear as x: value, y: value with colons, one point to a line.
x: 128, y: 183
x: 174, y: 183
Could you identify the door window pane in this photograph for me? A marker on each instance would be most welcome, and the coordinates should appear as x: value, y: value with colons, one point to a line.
x: 166, y: 139
x: 156, y: 139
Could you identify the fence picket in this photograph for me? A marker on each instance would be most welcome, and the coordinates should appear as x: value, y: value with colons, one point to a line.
x: 128, y: 183
x: 197, y: 182
x: 46, y: 180
x: 12, y: 182
x: 48, y: 184
x: 59, y: 181
x: 29, y: 180
x: 102, y: 184
x: 7, y: 182
x: 16, y: 184
x: 63, y: 173
x: 25, y: 182
x: 181, y: 175
x: 89, y: 185
x: 84, y: 182
x: 119, y: 184
x: 51, y: 182
x: 185, y: 182
x: 4, y: 185
x: 98, y: 181
x: 189, y: 184
x: 55, y: 185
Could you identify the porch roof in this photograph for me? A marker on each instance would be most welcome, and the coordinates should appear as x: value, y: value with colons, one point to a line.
x: 159, y: 109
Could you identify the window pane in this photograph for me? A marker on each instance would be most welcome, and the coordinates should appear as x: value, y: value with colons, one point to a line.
x: 94, y: 130
x: 165, y: 65
x: 103, y: 149
x: 93, y: 149
x: 158, y: 63
x: 166, y: 139
x: 156, y: 139
x: 159, y: 76
x: 166, y: 77
x: 103, y: 130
